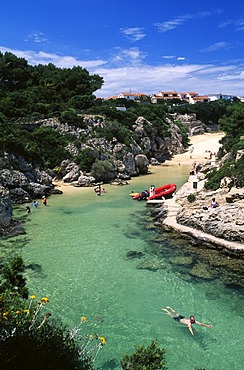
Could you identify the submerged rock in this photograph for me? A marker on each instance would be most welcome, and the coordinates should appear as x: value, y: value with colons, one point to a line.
x: 181, y: 260
x: 150, y: 264
x: 135, y: 254
x: 201, y: 270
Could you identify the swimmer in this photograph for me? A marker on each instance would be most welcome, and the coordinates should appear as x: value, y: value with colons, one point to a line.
x: 189, y: 322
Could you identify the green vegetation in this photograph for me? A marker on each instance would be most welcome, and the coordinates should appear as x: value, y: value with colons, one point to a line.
x: 208, y: 113
x: 191, y: 198
x: 41, y: 145
x: 30, y: 338
x: 103, y: 171
x: 11, y: 274
x: 43, y: 89
x: 233, y: 125
x: 145, y: 358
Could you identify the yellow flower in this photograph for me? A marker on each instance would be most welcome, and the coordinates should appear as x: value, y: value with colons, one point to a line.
x: 32, y: 297
x: 91, y: 337
x: 18, y: 312
x: 83, y: 318
x: 45, y: 299
x: 26, y: 311
x: 103, y: 340
x: 5, y: 314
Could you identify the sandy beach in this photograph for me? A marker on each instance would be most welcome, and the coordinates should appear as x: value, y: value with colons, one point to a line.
x: 199, y: 145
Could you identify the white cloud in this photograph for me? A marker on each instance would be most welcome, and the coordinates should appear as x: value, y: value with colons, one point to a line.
x: 133, y: 33
x: 237, y: 23
x: 139, y: 77
x: 128, y: 56
x: 37, y: 37
x: 61, y: 61
x: 181, y: 58
x: 178, y: 21
x: 168, y: 56
x: 216, y: 46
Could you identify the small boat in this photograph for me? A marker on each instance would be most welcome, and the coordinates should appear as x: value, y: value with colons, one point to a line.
x: 162, y: 192
x: 141, y: 196
x: 133, y: 194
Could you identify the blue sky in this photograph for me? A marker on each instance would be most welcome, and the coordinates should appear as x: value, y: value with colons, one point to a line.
x: 135, y: 45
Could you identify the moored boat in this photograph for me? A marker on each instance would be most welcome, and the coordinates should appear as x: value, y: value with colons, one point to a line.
x: 162, y: 192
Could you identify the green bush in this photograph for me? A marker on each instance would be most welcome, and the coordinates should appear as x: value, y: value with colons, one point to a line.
x: 31, y: 340
x: 145, y: 358
x: 12, y: 279
x: 85, y: 159
x: 191, y: 198
x: 232, y: 169
x: 103, y: 171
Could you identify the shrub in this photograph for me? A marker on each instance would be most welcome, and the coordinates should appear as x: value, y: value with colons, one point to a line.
x: 31, y: 340
x: 103, y: 171
x: 12, y: 278
x: 191, y: 198
x: 149, y: 358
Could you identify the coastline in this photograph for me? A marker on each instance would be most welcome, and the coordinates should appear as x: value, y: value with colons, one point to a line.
x: 201, y: 143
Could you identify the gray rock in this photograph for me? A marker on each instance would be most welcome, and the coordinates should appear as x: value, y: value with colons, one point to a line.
x: 6, y: 212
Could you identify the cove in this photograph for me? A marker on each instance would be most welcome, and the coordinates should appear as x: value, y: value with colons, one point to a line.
x: 75, y: 250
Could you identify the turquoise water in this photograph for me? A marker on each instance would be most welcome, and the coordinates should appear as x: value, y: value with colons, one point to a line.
x: 75, y: 250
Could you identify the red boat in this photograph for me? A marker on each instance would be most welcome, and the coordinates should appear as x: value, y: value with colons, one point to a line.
x: 163, y: 192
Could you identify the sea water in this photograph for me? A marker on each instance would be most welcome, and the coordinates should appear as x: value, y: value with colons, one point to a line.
x: 75, y: 251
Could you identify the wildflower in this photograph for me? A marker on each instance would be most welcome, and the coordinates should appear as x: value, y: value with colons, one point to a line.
x: 102, y: 340
x: 83, y: 318
x: 18, y: 312
x: 27, y: 311
x: 32, y: 297
x: 44, y: 300
x: 5, y: 314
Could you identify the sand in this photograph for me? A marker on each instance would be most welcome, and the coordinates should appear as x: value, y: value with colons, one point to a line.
x: 199, y: 145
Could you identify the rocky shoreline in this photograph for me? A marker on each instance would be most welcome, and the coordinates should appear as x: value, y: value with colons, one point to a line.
x: 221, y: 228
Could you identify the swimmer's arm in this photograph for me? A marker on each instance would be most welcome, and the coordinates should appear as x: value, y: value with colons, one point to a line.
x: 191, y: 330
x: 202, y: 324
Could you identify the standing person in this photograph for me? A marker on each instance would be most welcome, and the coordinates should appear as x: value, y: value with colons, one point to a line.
x: 44, y: 200
x: 27, y: 208
x: 98, y: 190
x: 189, y: 322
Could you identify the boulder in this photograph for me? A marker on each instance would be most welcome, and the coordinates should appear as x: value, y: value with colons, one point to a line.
x: 6, y: 212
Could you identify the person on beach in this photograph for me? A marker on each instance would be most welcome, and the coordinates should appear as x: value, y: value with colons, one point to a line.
x: 189, y: 322
x: 214, y: 203
x: 191, y: 151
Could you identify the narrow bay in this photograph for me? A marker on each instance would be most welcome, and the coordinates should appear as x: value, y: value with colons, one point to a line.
x: 76, y: 250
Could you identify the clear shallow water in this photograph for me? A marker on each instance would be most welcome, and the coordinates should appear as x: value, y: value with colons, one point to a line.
x: 76, y: 251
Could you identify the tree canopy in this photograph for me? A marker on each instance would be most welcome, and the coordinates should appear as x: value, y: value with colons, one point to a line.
x: 43, y: 89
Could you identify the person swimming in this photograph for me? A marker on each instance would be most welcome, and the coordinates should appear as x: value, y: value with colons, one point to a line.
x: 189, y: 322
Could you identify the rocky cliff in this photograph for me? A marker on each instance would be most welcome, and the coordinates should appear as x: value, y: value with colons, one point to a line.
x: 24, y: 181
